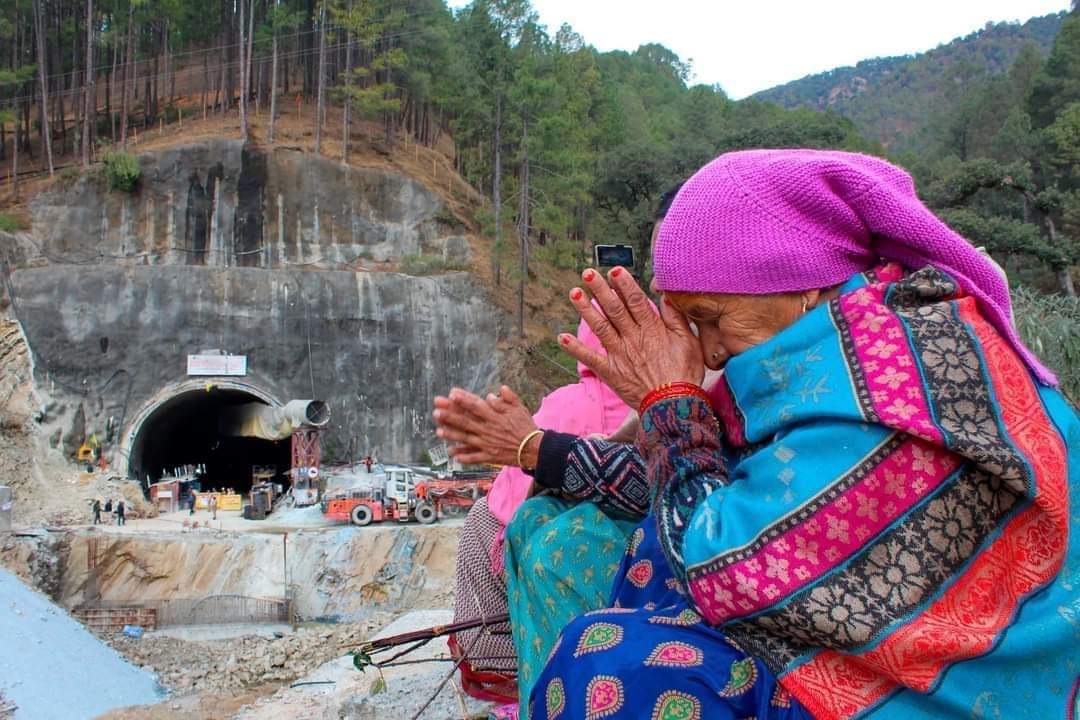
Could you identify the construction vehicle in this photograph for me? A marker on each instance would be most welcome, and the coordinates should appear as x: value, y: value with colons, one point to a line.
x: 264, y: 492
x: 403, y: 497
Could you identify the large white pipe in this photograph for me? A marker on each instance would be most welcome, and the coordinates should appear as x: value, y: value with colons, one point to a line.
x: 273, y: 423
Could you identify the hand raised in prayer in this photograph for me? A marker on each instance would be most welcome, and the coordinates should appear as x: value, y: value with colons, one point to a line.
x: 644, y: 350
x: 486, y: 430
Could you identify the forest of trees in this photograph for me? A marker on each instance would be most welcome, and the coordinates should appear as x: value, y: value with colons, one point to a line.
x: 571, y: 146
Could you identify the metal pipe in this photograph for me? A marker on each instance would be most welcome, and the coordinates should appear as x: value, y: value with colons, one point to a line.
x: 273, y: 423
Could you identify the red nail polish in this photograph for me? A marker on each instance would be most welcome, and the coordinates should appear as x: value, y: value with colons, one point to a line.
x: 616, y: 272
x: 576, y: 294
x: 667, y: 301
x: 589, y: 275
x: 564, y: 339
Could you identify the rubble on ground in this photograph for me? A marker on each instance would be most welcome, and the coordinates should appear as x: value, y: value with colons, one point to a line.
x: 184, y: 665
x: 338, y: 690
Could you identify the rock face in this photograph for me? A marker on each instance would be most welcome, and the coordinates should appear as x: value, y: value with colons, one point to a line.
x: 344, y: 574
x: 278, y: 256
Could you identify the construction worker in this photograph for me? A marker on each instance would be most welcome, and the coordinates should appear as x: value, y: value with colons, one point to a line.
x: 97, y: 511
x: 367, y: 462
x: 213, y: 506
x: 120, y: 512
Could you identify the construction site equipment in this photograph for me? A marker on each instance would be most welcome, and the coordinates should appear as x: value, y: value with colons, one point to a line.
x: 306, y: 458
x: 299, y: 420
x: 171, y: 494
x: 273, y: 423
x: 403, y: 498
x: 264, y: 492
x: 112, y: 620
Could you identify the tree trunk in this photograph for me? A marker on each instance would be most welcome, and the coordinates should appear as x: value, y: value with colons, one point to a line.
x: 273, y: 89
x: 1065, y: 280
x: 170, y: 68
x: 58, y: 101
x: 27, y: 144
x: 496, y: 191
x: 89, y: 103
x: 109, y: 91
x: 388, y: 117
x: 523, y: 226
x: 205, y: 83
x: 128, y: 78
x: 320, y: 109
x: 243, y: 74
x: 1064, y: 276
x: 348, y: 101
x: 15, y: 163
x: 250, y: 46
x: 222, y: 88
x: 150, y: 95
x: 44, y: 105
x: 259, y: 86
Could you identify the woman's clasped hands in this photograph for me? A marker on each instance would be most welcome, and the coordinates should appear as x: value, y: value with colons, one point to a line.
x: 485, y: 431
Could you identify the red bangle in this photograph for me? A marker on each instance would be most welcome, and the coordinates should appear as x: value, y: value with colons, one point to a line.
x: 667, y: 391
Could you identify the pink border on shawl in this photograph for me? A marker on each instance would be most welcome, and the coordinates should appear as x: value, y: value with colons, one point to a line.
x: 886, y: 361
x: 834, y: 533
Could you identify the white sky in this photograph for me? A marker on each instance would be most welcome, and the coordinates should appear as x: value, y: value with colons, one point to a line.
x: 751, y: 45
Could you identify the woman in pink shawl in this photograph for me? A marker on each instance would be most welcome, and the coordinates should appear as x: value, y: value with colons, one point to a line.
x: 587, y: 407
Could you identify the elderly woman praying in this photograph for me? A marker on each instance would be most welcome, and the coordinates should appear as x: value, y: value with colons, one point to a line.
x: 873, y: 513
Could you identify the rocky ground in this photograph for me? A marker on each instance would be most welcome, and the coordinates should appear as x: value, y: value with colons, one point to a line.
x: 243, y: 662
x: 336, y: 691
x: 330, y: 689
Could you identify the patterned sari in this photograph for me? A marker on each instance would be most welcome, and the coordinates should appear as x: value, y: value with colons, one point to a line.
x: 561, y: 558
x: 880, y: 519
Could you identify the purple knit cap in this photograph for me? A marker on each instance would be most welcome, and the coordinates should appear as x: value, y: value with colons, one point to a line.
x: 767, y: 221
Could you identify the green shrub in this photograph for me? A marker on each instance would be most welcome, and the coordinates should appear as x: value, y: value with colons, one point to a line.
x: 122, y: 171
x: 428, y: 265
x: 1050, y: 325
x: 69, y: 174
x: 445, y: 216
x: 11, y: 223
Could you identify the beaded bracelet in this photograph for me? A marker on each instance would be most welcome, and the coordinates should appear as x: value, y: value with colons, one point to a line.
x: 667, y: 391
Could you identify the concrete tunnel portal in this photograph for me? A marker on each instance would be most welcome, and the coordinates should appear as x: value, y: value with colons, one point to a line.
x: 187, y: 429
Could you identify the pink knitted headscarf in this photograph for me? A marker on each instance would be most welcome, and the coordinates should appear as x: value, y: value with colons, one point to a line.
x: 767, y: 221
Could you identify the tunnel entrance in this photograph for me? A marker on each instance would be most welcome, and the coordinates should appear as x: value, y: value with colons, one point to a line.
x: 184, y: 430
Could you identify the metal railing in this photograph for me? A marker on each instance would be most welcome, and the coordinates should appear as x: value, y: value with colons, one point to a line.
x: 212, y: 610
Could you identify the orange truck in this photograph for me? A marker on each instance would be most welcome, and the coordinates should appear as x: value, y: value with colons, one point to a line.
x: 403, y: 498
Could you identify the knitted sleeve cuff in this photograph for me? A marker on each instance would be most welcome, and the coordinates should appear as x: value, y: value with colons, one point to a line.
x: 552, y: 461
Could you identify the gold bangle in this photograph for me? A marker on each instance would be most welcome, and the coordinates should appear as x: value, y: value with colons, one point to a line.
x: 525, y: 442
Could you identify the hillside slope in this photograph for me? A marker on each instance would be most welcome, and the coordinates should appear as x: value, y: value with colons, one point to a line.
x: 890, y: 98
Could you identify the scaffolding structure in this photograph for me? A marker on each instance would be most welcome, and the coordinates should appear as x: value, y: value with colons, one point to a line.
x: 306, y: 457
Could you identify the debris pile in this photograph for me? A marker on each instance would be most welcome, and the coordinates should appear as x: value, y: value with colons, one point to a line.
x: 338, y: 690
x: 185, y: 665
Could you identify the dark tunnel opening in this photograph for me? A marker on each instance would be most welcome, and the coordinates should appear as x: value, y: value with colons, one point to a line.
x: 184, y: 430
